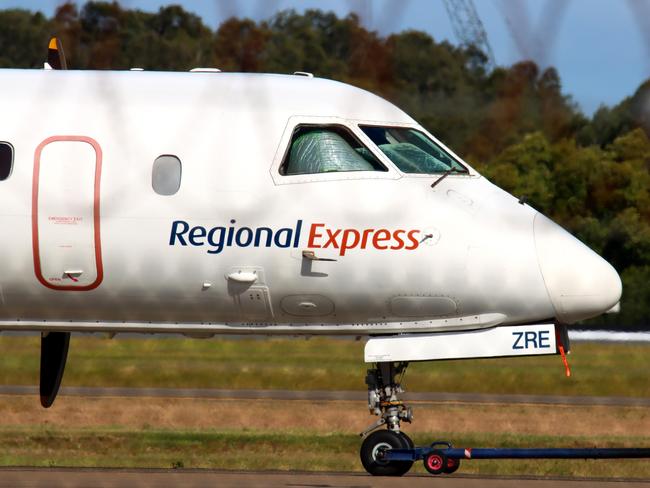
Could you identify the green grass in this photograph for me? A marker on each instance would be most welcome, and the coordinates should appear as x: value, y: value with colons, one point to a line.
x: 42, y: 446
x: 321, y: 364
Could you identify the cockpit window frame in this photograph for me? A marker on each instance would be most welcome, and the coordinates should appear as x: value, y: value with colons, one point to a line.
x: 352, y: 126
x: 471, y: 172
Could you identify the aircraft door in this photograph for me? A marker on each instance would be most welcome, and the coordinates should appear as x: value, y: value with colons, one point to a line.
x: 65, y: 213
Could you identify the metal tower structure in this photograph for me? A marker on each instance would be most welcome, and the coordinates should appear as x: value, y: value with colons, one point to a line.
x: 468, y: 27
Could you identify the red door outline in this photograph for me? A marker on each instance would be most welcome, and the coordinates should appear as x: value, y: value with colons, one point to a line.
x: 96, y: 216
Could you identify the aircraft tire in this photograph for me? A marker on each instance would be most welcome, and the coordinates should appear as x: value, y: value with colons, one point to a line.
x: 388, y: 440
x: 408, y: 440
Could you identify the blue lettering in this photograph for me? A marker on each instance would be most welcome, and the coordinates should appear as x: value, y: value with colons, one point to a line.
x: 197, y: 233
x: 217, y: 238
x: 238, y: 239
x: 296, y: 239
x: 230, y: 233
x: 531, y: 338
x: 176, y: 233
x: 287, y: 237
x: 544, y: 339
x: 218, y: 244
x: 258, y: 236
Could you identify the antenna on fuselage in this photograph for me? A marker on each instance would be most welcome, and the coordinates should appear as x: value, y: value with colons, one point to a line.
x: 55, y: 55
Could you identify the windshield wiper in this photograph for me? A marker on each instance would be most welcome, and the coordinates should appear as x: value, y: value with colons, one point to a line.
x: 447, y: 173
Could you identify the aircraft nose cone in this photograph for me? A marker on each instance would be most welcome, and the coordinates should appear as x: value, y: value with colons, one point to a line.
x: 579, y: 282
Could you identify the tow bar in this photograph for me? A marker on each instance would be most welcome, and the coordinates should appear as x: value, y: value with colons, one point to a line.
x: 442, y: 457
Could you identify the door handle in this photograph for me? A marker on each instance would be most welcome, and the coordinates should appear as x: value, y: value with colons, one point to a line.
x: 73, y: 274
x: 311, y: 255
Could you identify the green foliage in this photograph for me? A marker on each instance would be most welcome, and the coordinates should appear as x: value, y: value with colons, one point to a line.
x: 591, y: 175
x: 23, y: 39
x: 526, y: 169
x: 609, y: 123
x: 601, y: 195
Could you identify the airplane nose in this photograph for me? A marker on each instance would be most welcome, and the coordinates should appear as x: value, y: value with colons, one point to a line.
x: 579, y: 282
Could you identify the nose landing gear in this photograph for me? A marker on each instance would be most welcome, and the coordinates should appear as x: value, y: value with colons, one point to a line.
x: 384, y: 385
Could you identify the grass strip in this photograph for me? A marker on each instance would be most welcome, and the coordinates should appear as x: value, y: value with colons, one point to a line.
x: 321, y: 364
x: 290, y: 450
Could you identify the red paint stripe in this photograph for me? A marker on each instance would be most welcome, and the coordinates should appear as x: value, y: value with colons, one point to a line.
x: 96, y: 213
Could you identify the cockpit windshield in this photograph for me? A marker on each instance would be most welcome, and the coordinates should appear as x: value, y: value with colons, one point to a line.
x: 412, y: 151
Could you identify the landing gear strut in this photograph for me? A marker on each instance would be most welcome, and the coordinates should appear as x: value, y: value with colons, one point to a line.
x: 384, y: 386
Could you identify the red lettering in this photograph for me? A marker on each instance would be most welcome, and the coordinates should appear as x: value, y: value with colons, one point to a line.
x: 345, y: 245
x: 399, y: 241
x: 364, y: 241
x: 382, y: 235
x: 313, y: 235
x: 351, y: 238
x: 332, y: 238
x: 413, y: 239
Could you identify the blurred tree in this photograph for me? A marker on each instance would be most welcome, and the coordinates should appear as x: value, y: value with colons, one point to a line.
x: 525, y: 169
x: 23, y: 39
x: 601, y: 195
x: 239, y: 45
x: 522, y: 100
x: 174, y: 39
x: 609, y: 123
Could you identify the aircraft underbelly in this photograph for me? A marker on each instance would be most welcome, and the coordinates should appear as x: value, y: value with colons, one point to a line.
x: 207, y: 329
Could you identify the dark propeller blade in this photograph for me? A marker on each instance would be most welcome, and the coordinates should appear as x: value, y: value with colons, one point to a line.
x: 54, y: 352
x: 55, y: 54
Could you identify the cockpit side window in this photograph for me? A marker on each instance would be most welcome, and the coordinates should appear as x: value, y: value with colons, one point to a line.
x: 412, y: 151
x: 325, y: 149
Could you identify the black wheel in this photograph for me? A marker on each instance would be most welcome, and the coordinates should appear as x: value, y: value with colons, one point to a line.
x: 371, y: 457
x: 435, y: 462
x: 409, y: 441
x: 452, y: 466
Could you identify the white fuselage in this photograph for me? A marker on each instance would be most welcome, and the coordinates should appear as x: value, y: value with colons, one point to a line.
x: 87, y: 244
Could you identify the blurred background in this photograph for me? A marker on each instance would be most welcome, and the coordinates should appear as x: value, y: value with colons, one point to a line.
x: 549, y: 99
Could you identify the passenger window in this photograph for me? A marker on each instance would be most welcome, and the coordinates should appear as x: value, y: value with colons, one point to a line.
x: 325, y: 149
x: 6, y: 160
x: 166, y: 175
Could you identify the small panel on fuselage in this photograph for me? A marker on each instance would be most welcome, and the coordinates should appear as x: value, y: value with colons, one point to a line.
x: 307, y: 305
